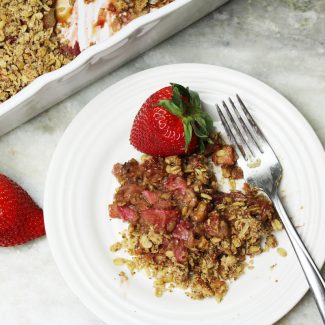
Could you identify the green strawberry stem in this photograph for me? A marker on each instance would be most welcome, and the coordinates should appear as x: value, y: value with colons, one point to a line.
x: 186, y: 104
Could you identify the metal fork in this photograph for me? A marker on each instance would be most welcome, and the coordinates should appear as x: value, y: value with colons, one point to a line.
x: 251, y: 145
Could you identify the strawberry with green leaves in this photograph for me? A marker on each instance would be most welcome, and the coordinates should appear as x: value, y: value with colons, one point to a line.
x: 171, y: 122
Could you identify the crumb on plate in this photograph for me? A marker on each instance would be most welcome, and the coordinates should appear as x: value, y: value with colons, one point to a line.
x: 282, y: 252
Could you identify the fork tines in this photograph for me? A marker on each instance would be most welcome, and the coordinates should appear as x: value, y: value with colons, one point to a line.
x: 247, y: 136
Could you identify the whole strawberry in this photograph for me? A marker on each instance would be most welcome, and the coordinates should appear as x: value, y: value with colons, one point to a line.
x: 171, y: 122
x: 21, y: 219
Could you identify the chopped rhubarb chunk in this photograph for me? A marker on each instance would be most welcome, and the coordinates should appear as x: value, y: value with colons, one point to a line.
x: 216, y: 227
x: 49, y: 20
x: 174, y: 182
x: 161, y: 219
x: 151, y: 197
x: 155, y: 200
x: 70, y: 51
x: 111, y: 7
x: 128, y: 172
x: 125, y: 213
x: 182, y: 230
x: 186, y: 199
x: 237, y: 173
x: 180, y: 251
x: 225, y: 156
x: 183, y: 195
x: 129, y: 192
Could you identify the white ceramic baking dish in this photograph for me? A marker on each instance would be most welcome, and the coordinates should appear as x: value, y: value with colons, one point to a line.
x: 96, y: 61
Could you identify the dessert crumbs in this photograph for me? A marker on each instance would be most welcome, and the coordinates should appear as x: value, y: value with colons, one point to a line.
x: 123, y: 277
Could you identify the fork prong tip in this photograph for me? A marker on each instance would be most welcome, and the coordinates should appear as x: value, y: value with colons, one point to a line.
x: 238, y: 97
x: 224, y: 104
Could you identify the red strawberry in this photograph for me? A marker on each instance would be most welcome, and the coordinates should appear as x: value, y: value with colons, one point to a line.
x: 171, y: 122
x: 21, y: 219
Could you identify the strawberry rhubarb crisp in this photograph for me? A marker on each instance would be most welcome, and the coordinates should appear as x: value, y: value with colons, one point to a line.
x: 183, y: 231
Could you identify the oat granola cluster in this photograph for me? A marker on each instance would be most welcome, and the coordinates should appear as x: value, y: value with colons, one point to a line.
x: 185, y: 232
x: 28, y: 44
x: 124, y: 11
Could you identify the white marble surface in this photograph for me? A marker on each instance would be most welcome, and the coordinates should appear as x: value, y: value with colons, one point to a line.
x: 280, y: 42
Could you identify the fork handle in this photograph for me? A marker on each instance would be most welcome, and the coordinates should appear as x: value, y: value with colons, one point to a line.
x: 313, y: 276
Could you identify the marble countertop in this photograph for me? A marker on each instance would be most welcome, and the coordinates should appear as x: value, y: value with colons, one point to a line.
x: 281, y: 42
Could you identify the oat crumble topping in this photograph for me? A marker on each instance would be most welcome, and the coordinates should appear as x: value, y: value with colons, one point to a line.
x: 123, y: 11
x: 28, y: 44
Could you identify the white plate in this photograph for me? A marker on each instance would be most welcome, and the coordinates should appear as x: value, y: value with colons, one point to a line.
x: 80, y: 185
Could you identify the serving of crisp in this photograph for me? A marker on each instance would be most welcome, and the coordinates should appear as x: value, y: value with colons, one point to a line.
x: 183, y: 230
